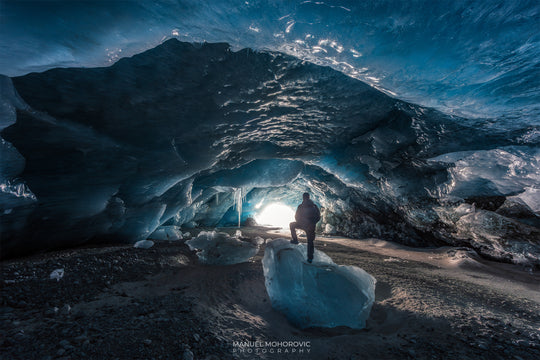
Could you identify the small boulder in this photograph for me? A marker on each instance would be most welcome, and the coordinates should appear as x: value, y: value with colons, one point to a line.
x: 250, y: 222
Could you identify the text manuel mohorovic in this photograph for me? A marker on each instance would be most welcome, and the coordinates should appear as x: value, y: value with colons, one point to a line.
x: 272, y: 347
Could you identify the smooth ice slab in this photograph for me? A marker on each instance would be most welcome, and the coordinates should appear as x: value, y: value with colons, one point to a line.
x: 218, y: 248
x: 321, y: 294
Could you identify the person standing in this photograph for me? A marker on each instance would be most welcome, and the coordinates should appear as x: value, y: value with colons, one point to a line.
x: 307, y: 215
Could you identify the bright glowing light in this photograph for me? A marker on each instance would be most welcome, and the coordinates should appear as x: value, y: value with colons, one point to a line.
x: 276, y: 215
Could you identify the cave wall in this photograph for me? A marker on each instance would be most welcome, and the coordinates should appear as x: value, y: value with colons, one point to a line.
x: 174, y: 134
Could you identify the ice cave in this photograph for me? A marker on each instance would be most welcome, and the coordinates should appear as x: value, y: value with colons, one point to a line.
x: 153, y: 126
x: 200, y: 135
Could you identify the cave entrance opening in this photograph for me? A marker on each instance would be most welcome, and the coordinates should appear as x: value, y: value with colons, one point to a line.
x: 276, y: 214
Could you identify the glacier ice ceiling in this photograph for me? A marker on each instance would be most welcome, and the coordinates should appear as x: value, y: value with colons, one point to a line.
x: 202, y: 134
x: 470, y: 58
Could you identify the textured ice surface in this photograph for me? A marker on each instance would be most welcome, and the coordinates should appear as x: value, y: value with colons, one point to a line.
x: 492, y: 234
x: 13, y: 192
x: 321, y: 294
x: 170, y: 232
x: 16, y: 198
x: 329, y: 229
x: 499, y: 237
x: 491, y: 172
x: 218, y: 248
x: 514, y: 207
x: 488, y: 67
x: 531, y: 197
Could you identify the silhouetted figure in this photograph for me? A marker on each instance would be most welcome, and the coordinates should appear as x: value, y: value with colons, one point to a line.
x: 307, y: 215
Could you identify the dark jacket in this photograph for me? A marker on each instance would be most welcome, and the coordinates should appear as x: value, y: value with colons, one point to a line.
x: 307, y: 213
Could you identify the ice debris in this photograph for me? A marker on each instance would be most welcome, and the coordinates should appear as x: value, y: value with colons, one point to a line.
x: 219, y: 248
x: 258, y: 240
x: 57, y: 274
x: 170, y: 232
x: 143, y: 244
x: 321, y: 294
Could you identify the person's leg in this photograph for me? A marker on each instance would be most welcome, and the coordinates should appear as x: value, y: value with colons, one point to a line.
x: 310, y: 233
x: 293, y: 227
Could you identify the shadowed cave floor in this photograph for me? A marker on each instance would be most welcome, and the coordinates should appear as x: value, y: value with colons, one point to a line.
x: 118, y: 302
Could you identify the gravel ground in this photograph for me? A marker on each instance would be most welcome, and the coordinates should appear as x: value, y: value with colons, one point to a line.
x: 118, y: 302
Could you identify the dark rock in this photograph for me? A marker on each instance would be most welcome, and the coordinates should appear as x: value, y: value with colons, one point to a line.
x: 66, y: 310
x: 490, y: 203
x: 188, y: 355
x: 51, y: 312
x: 250, y: 222
x: 81, y: 338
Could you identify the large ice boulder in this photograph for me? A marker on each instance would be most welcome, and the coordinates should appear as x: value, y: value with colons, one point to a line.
x: 219, y: 248
x: 501, y: 238
x: 321, y: 294
x: 493, y: 235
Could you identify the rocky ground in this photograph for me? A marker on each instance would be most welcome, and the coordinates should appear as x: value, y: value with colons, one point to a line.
x: 119, y: 302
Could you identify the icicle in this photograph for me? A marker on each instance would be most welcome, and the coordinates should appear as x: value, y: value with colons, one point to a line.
x: 238, y: 200
x: 217, y: 198
x: 239, y: 206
